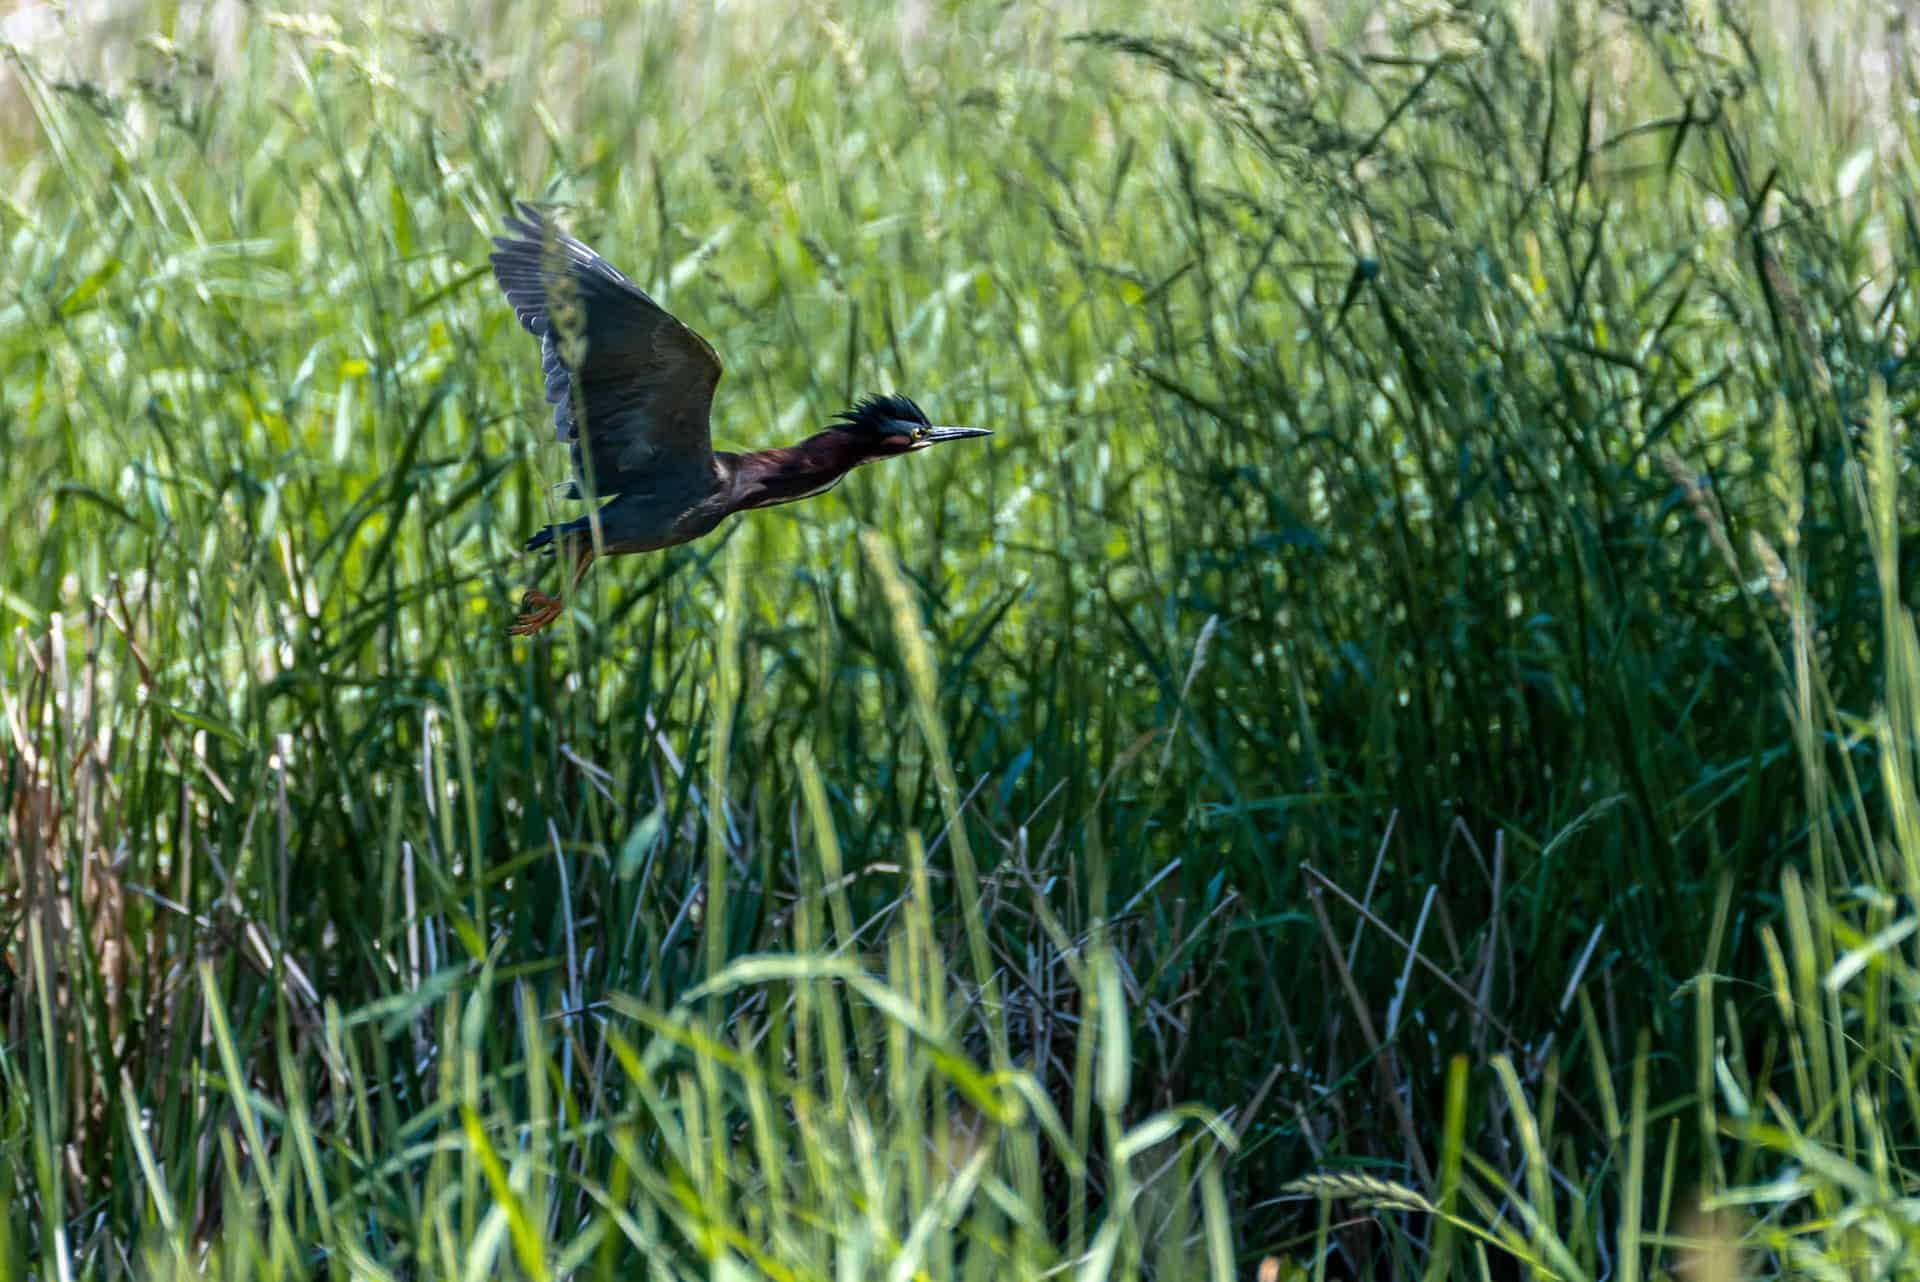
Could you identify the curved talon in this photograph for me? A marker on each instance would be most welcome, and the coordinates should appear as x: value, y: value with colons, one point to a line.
x: 537, y: 610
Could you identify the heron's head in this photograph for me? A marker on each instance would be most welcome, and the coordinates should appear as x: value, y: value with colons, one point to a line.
x: 887, y: 425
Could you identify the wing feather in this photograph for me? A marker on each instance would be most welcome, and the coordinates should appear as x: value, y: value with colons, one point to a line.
x: 626, y: 379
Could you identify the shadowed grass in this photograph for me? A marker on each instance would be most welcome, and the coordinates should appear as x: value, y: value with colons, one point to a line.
x: 1802, y: 1107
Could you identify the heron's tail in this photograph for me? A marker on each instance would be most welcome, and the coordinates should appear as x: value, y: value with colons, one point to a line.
x: 551, y: 537
x: 543, y: 541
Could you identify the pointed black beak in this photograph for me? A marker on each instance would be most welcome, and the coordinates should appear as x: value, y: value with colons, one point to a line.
x: 935, y: 435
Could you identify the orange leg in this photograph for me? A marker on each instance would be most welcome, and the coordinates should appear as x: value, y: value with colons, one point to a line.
x: 537, y: 609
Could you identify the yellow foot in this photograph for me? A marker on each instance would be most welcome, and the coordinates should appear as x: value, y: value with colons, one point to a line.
x: 537, y: 610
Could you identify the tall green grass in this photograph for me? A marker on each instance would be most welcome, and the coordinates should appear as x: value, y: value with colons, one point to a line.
x: 1493, y: 351
x: 1790, y: 1157
x: 1345, y: 691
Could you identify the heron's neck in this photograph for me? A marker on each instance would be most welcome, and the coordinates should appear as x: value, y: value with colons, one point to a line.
x: 764, y: 478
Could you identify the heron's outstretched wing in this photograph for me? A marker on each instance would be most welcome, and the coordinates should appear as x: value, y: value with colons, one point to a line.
x: 645, y: 381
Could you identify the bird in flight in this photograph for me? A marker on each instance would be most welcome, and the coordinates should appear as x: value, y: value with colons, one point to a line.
x: 632, y: 388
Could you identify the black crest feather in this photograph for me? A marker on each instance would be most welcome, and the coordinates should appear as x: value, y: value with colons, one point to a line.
x: 873, y: 413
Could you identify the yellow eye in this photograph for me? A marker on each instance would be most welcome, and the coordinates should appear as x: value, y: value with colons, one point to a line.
x: 919, y: 433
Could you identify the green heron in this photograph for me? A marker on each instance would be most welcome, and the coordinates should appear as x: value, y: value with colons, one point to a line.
x: 631, y: 389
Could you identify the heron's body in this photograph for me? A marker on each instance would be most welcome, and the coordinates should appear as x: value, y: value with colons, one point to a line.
x: 632, y: 391
x: 677, y: 510
x: 680, y: 507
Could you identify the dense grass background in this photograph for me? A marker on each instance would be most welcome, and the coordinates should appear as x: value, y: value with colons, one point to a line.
x: 1346, y: 692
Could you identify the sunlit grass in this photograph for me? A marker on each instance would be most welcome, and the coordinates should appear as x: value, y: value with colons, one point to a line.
x: 1335, y: 726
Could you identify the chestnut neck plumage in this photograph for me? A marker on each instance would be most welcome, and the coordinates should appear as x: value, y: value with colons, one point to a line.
x: 765, y: 478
